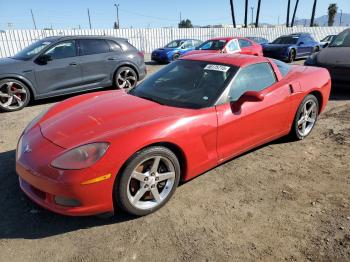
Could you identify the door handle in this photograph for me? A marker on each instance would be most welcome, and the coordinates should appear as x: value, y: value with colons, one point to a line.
x: 73, y: 64
x: 112, y: 59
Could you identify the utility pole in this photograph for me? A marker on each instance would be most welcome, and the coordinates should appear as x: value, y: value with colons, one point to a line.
x: 31, y: 11
x: 117, y: 7
x: 89, y: 18
x: 288, y: 11
x: 246, y: 14
x: 252, y: 8
x: 257, y: 14
x: 313, y: 13
x: 233, y: 14
x: 295, y: 10
x: 180, y: 17
x: 341, y: 15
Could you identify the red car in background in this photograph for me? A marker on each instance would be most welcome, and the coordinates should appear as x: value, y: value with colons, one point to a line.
x: 102, y: 151
x: 230, y: 45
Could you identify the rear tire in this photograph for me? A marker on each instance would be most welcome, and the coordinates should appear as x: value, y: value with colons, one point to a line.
x: 125, y: 78
x: 14, y: 95
x: 148, y: 181
x: 291, y: 56
x: 176, y: 56
x: 305, y: 118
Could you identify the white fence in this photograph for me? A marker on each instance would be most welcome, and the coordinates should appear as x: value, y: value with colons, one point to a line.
x: 11, y: 41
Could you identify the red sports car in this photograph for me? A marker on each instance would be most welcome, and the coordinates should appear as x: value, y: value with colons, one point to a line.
x: 230, y: 45
x: 102, y: 151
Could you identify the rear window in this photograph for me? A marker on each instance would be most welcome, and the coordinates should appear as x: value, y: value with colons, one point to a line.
x: 283, y: 67
x: 93, y: 46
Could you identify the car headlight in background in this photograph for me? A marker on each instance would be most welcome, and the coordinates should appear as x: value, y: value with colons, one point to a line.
x: 81, y: 157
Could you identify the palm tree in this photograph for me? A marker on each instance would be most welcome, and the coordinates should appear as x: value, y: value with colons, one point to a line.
x: 257, y: 14
x: 246, y: 14
x: 295, y: 10
x: 332, y: 11
x: 288, y: 11
x: 233, y: 14
x: 313, y: 13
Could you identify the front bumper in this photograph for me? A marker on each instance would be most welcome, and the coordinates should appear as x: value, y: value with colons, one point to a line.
x: 60, y: 191
x: 160, y: 57
x: 276, y: 54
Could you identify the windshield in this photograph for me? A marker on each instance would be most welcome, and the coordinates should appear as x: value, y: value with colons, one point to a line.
x: 212, y: 45
x: 341, y: 40
x: 186, y: 84
x: 174, y: 44
x: 31, y: 50
x: 283, y: 40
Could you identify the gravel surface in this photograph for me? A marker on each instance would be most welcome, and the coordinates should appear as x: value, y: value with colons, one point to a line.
x: 283, y: 201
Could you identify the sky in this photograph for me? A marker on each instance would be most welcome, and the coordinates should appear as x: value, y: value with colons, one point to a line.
x: 68, y: 14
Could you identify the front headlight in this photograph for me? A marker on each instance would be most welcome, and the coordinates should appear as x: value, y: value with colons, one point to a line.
x: 81, y: 157
x: 311, y: 60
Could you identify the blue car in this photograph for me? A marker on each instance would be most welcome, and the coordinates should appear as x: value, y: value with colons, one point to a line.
x: 290, y: 47
x: 174, y: 50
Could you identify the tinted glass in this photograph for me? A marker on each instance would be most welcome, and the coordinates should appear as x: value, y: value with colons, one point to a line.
x: 252, y: 78
x: 114, y: 47
x: 283, y: 67
x: 286, y: 40
x: 93, y: 46
x: 32, y: 50
x: 244, y: 43
x: 184, y: 83
x: 62, y: 50
x: 197, y: 43
x: 213, y: 45
x: 233, y: 46
x: 174, y: 44
x: 187, y: 44
x: 341, y: 40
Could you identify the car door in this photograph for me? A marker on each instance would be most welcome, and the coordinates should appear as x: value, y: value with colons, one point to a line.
x: 98, y: 60
x: 246, y: 46
x: 61, y: 72
x: 302, y: 47
x: 253, y: 122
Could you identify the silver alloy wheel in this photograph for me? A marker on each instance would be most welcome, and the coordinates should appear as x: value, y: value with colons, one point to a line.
x: 126, y: 79
x: 12, y: 95
x: 307, y: 117
x: 151, y: 182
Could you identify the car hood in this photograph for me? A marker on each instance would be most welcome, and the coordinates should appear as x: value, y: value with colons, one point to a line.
x: 8, y: 65
x: 98, y: 116
x: 334, y: 56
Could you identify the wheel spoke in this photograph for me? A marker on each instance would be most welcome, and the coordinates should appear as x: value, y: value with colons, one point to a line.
x: 311, y: 108
x: 18, y: 100
x: 301, y: 120
x: 133, y: 78
x: 9, y: 102
x: 155, y: 165
x: 138, y: 176
x: 9, y: 85
x: 156, y: 195
x: 139, y: 194
x: 310, y: 120
x: 4, y: 95
x: 165, y: 176
x: 303, y: 127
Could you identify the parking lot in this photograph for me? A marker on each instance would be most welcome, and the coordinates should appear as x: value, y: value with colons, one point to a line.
x: 283, y: 201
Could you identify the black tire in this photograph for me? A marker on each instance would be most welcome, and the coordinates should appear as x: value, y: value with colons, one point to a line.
x: 18, y: 92
x: 291, y: 56
x: 125, y: 78
x: 121, y: 188
x: 295, y: 131
x: 176, y: 56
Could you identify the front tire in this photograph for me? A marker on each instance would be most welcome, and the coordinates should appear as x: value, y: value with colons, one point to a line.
x: 14, y: 95
x: 125, y: 78
x: 305, y: 118
x: 148, y: 181
x: 291, y: 56
x: 176, y: 56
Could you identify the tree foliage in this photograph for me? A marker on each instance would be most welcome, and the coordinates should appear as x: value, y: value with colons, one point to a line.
x: 185, y: 23
x: 332, y: 11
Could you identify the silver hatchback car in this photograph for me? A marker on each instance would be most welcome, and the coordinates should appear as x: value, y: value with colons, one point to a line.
x: 61, y: 65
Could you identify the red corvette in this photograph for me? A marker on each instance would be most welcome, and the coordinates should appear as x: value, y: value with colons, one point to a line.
x: 230, y: 45
x: 102, y: 151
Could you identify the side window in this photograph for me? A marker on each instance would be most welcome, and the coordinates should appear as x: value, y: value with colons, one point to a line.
x: 196, y: 42
x: 187, y: 44
x: 113, y: 46
x: 62, y: 50
x: 244, y: 43
x: 252, y: 78
x: 233, y: 46
x: 93, y: 46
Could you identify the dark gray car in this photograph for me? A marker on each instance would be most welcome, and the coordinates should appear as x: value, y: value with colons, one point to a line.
x: 335, y: 57
x: 61, y: 65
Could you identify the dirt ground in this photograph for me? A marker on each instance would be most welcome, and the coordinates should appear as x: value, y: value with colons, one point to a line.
x: 285, y: 201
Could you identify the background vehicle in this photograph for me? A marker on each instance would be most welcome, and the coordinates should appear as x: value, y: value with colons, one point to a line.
x: 291, y: 47
x: 336, y: 59
x: 239, y: 45
x: 259, y: 40
x: 173, y: 50
x: 183, y: 120
x: 325, y: 41
x: 61, y: 65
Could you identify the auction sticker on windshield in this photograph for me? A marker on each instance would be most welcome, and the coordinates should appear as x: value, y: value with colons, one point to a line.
x: 220, y: 68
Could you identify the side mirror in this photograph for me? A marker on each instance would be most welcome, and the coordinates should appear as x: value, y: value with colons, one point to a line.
x: 248, y: 96
x: 325, y: 45
x: 301, y: 43
x: 43, y: 59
